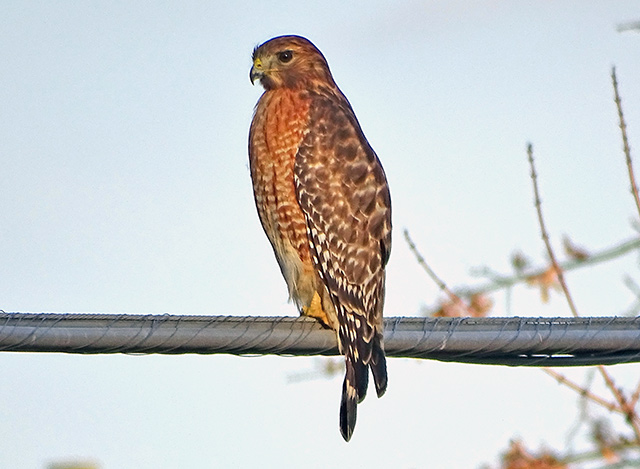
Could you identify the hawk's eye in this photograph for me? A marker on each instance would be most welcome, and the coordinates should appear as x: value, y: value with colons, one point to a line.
x: 285, y: 56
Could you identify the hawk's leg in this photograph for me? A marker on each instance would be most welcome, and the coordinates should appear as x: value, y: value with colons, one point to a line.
x: 315, y: 310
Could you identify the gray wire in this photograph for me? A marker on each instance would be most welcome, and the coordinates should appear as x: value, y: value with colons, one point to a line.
x: 498, y: 341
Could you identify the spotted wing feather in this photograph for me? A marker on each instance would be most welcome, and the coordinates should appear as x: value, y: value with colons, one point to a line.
x: 343, y: 193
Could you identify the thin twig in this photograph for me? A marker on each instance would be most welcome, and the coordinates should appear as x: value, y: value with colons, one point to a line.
x: 627, y: 405
x: 597, y: 456
x: 623, y: 403
x: 635, y: 396
x: 635, y: 289
x: 423, y: 263
x: 622, y: 406
x: 611, y: 406
x: 583, y: 413
x: 625, y: 141
x: 545, y: 235
x: 498, y: 281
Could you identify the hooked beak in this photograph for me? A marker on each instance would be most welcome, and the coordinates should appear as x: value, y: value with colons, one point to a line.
x: 256, y: 71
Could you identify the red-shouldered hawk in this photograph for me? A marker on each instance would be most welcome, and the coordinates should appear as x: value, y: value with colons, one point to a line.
x: 324, y: 203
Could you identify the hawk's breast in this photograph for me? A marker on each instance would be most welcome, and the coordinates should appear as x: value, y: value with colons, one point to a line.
x: 280, y: 123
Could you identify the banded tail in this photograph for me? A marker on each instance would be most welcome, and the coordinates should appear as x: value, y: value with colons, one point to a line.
x: 356, y: 382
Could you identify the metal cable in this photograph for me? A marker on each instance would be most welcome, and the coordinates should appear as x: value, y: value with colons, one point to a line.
x: 499, y: 341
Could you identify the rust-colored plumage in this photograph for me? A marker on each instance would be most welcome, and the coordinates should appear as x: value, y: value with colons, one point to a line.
x: 323, y: 200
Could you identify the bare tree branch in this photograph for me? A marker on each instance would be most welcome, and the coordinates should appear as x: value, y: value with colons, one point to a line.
x: 499, y: 281
x: 423, y: 263
x: 560, y: 378
x: 545, y: 235
x: 623, y: 403
x: 635, y: 396
x: 625, y: 140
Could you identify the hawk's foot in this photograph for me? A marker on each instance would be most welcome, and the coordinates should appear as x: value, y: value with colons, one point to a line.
x: 314, y: 310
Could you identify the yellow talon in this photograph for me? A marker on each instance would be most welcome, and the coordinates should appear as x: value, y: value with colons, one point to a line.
x: 314, y: 310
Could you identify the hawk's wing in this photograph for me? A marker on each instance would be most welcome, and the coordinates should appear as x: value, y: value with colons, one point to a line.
x: 343, y: 193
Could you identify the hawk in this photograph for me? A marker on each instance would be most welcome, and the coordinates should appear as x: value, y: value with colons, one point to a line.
x: 324, y: 203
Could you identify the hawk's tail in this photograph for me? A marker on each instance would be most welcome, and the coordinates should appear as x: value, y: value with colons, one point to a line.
x: 356, y: 381
x: 378, y: 366
x: 354, y: 388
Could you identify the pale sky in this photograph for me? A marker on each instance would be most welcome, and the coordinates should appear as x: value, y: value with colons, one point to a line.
x: 125, y: 188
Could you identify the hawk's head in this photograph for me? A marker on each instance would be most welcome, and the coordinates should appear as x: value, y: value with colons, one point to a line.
x: 289, y: 62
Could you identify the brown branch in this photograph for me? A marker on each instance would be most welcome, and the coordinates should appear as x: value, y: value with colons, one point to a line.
x: 623, y: 403
x: 611, y: 406
x: 545, y: 235
x: 626, y: 405
x: 423, y: 263
x: 625, y: 141
x: 635, y: 396
x: 499, y: 281
x: 597, y: 455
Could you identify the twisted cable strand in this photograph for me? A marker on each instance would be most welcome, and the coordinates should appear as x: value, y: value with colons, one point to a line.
x: 507, y: 341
